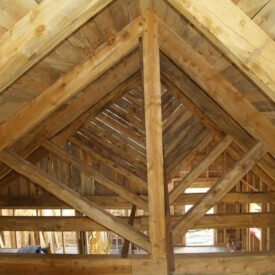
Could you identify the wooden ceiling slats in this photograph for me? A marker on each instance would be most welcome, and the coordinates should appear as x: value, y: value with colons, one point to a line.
x: 57, y: 121
x: 126, y: 124
x: 121, y: 168
x: 117, y: 134
x: 93, y: 173
x: 101, y: 151
x: 139, y: 124
x: 178, y: 153
x: 261, y: 10
x: 116, y: 141
x: 195, y: 149
x: 113, y: 148
x: 121, y: 128
x: 211, y: 109
x: 217, y: 87
x: 178, y: 135
x: 20, y: 52
x: 233, y: 37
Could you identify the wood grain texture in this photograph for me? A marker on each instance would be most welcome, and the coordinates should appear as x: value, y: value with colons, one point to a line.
x: 212, y: 263
x: 217, y: 87
x: 230, y: 221
x: 246, y: 44
x: 117, y: 202
x: 93, y: 173
x: 199, y: 169
x: 72, y: 198
x: 154, y: 142
x: 70, y: 85
x: 44, y: 28
x: 219, y: 189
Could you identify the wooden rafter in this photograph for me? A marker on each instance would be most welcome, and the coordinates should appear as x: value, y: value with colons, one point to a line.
x: 219, y: 190
x: 217, y: 87
x: 72, y: 198
x: 108, y: 100
x: 70, y: 84
x: 39, y: 32
x: 245, y: 43
x: 212, y: 111
x: 93, y: 173
x: 199, y: 169
x: 98, y: 94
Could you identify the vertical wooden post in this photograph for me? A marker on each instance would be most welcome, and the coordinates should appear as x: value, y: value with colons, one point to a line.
x: 154, y: 143
x: 80, y: 238
x: 125, y: 248
x: 272, y: 232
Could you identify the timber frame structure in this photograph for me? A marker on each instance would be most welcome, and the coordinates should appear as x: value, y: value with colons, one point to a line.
x: 126, y: 104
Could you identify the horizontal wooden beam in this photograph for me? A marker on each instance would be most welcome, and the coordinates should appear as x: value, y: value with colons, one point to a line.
x: 141, y: 223
x: 117, y: 202
x: 212, y: 263
x: 226, y: 263
x: 76, y: 201
x: 44, y: 27
x: 70, y: 84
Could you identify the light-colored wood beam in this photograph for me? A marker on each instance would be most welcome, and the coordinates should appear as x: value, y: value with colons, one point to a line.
x: 215, y: 113
x: 219, y: 189
x: 199, y: 169
x: 217, y: 87
x: 230, y: 221
x: 98, y: 100
x: 245, y: 43
x: 117, y: 202
x: 73, y: 199
x: 40, y: 31
x: 212, y: 263
x: 154, y: 141
x: 94, y: 174
x: 70, y: 84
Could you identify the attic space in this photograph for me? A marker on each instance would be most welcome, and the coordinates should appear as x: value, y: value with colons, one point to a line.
x: 137, y: 137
